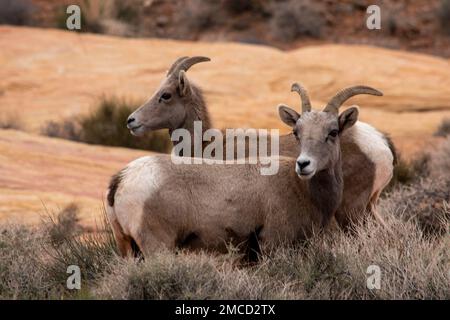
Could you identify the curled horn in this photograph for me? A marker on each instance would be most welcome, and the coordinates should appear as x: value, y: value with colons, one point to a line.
x: 306, y: 103
x: 347, y: 93
x: 175, y: 64
x: 186, y: 63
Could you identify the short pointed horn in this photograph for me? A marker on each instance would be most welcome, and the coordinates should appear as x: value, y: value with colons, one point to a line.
x: 347, y: 93
x: 306, y: 103
x: 187, y: 63
x: 175, y: 64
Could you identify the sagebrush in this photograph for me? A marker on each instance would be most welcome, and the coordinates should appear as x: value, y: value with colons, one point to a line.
x: 106, y: 125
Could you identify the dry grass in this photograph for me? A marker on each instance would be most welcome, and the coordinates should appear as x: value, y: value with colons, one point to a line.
x: 327, y: 267
x: 331, y: 266
x: 33, y: 265
x: 412, y: 254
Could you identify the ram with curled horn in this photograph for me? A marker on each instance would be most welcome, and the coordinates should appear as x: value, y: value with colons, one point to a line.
x: 368, y: 159
x: 368, y: 155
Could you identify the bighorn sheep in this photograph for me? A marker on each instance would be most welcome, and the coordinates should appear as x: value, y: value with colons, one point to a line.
x: 154, y: 203
x: 368, y: 155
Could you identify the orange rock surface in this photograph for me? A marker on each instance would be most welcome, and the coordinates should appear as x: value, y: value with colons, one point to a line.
x: 50, y: 74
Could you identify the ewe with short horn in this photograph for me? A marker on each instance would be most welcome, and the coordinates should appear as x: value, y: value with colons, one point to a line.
x: 175, y: 64
x: 176, y: 104
x: 184, y: 63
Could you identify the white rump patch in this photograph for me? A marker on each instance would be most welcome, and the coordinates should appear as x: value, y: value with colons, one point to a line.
x: 139, y: 180
x: 374, y: 144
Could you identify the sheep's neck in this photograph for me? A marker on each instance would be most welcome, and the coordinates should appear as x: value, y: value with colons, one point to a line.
x: 326, y: 189
x: 195, y: 112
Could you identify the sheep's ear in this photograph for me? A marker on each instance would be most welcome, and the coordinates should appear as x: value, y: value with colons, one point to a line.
x: 348, y: 118
x: 183, y: 83
x: 288, y: 115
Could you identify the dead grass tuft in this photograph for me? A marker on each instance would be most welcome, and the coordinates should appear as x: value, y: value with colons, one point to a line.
x: 63, y: 225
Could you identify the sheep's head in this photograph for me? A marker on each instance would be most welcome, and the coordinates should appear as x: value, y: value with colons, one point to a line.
x: 166, y: 109
x: 318, y: 132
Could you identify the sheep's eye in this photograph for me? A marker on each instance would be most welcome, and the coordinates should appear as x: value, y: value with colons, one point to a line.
x: 166, y: 96
x: 295, y: 134
x: 333, y: 133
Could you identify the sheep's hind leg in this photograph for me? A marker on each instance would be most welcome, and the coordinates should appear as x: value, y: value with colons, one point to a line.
x: 124, y: 242
x: 150, y: 242
x: 373, y: 209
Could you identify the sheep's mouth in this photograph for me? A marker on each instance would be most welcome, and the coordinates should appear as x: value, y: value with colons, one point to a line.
x: 306, y: 175
x: 137, y: 130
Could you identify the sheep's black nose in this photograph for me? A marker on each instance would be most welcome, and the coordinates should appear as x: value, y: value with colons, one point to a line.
x: 130, y: 120
x: 303, y: 164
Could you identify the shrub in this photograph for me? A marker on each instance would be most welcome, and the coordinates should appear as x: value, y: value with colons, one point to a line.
x: 91, y: 251
x: 93, y: 12
x: 10, y: 121
x: 16, y: 12
x: 443, y: 129
x: 293, y: 19
x: 127, y: 11
x: 198, y: 15
x: 444, y: 16
x: 435, y: 165
x: 440, y: 161
x: 33, y: 266
x: 239, y: 6
x: 399, y: 23
x: 165, y: 276
x: 67, y: 129
x: 406, y: 172
x: 63, y: 225
x: 21, y: 272
x: 104, y: 16
x: 425, y: 196
x: 106, y: 125
x: 426, y: 201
